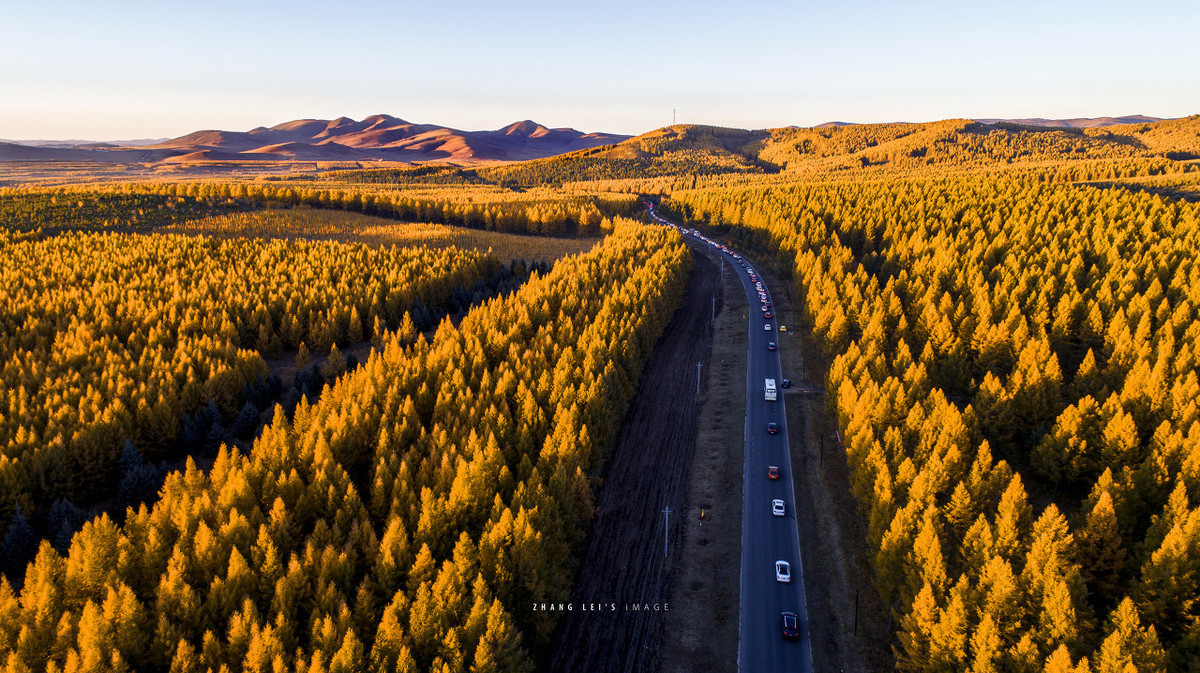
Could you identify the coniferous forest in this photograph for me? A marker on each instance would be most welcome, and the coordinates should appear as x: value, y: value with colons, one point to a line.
x: 1014, y: 377
x: 391, y: 525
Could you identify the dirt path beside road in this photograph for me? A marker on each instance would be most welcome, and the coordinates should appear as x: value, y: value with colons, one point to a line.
x: 701, y: 631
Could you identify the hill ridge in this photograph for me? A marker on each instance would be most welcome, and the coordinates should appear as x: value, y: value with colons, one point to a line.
x: 376, y: 137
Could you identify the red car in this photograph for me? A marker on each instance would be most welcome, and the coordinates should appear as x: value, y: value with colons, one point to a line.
x: 772, y: 473
x: 791, y: 626
x: 768, y: 315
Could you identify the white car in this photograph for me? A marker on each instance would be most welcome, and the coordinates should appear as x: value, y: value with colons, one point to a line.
x: 783, y: 571
x: 777, y: 507
x: 764, y: 308
x: 767, y: 327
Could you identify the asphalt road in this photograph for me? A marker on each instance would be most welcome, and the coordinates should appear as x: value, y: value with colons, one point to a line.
x: 766, y: 538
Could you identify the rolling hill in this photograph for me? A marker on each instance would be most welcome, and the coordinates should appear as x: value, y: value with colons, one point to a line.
x: 1077, y: 122
x: 1073, y: 123
x: 678, y: 156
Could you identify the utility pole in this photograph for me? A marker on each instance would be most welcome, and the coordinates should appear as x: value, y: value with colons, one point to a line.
x: 666, y: 526
x: 697, y: 378
x: 672, y: 116
x: 856, y: 612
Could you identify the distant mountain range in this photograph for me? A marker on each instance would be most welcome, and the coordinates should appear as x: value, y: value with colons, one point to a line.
x: 93, y: 144
x: 1077, y: 122
x: 378, y: 137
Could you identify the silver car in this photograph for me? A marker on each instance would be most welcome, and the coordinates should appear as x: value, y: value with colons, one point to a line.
x: 783, y: 571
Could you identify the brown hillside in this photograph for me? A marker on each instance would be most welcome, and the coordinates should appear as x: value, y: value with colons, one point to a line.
x: 385, y: 137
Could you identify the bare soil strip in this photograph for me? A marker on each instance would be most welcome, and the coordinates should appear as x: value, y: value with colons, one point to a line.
x: 701, y: 630
x: 620, y: 601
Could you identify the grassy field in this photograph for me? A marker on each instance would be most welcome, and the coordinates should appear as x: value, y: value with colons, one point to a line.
x: 315, y: 223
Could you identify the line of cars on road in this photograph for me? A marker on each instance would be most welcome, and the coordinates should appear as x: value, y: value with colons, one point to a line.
x: 790, y: 623
x: 783, y: 569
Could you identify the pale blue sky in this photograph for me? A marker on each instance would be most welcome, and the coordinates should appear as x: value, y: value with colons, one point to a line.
x: 140, y: 68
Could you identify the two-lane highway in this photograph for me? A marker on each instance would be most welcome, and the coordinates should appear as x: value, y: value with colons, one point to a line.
x: 766, y: 536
